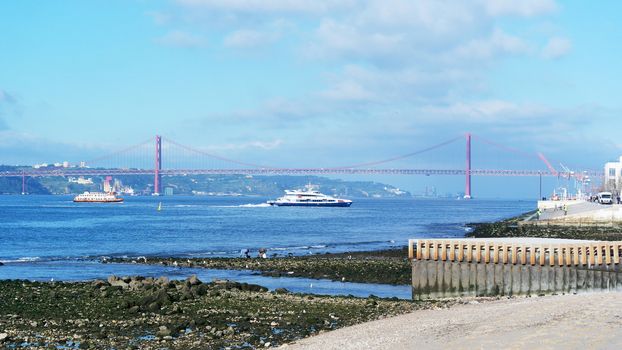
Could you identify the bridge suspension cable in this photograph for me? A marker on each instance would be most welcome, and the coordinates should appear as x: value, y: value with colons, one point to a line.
x: 506, y: 148
x: 119, y: 152
x: 427, y: 149
x: 216, y: 156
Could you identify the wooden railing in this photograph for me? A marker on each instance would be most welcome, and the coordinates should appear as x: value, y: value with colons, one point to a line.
x: 590, y: 253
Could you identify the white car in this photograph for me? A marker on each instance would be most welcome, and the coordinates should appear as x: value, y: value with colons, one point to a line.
x: 605, y: 198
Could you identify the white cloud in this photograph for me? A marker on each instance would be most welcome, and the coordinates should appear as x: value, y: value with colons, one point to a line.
x: 413, y: 63
x: 556, y: 47
x: 487, y: 111
x: 24, y: 148
x: 160, y: 18
x: 526, y: 8
x: 269, y: 6
x: 262, y: 145
x: 339, y: 39
x: 348, y: 91
x: 178, y: 38
x: 498, y: 43
x: 246, y: 38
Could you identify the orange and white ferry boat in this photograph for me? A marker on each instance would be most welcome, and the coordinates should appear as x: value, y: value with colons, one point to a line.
x: 98, y: 197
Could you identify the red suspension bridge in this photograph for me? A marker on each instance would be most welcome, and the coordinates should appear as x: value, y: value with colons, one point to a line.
x: 155, y: 152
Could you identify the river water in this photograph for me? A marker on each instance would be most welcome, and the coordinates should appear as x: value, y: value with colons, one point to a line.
x: 45, y: 237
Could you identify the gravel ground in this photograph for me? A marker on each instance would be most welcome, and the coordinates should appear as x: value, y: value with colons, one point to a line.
x: 586, y: 321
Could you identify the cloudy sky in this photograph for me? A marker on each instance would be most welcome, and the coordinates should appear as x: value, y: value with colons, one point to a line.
x: 315, y: 83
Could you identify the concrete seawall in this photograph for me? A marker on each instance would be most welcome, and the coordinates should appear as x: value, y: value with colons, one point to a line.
x: 455, y: 268
x: 446, y: 279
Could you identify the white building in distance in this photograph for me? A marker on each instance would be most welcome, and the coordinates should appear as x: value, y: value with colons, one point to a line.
x: 613, y: 176
x: 81, y: 180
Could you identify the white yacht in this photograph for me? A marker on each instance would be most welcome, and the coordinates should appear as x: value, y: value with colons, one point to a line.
x: 98, y: 197
x: 309, y: 197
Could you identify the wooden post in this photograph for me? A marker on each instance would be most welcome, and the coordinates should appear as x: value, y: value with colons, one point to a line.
x: 461, y: 247
x: 469, y: 252
x: 419, y: 249
x: 575, y: 255
x: 452, y: 251
x: 601, y: 252
x: 592, y: 248
x: 523, y: 254
x: 608, y: 254
x: 444, y: 245
x: 551, y: 255
x: 435, y: 252
x: 532, y: 255
x: 568, y: 257
x: 505, y: 253
x: 616, y: 253
x: 560, y: 255
x: 514, y: 253
x: 583, y: 255
x: 486, y: 253
x: 495, y: 255
x: 411, y: 254
x: 478, y: 252
x: 542, y: 254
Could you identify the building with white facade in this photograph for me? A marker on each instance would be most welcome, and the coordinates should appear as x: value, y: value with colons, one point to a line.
x: 81, y: 180
x: 613, y: 176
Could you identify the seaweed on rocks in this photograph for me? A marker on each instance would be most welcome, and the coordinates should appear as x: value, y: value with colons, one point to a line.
x: 382, y: 267
x: 517, y: 227
x: 152, y: 313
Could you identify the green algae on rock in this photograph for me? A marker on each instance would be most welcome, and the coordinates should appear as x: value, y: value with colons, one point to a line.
x: 383, y: 267
x: 150, y: 313
x: 515, y: 227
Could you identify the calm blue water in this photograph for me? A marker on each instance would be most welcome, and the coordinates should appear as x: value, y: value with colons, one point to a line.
x: 39, y: 231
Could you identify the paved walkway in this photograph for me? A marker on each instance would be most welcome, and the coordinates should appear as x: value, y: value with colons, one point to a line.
x: 584, y: 211
x: 575, y: 209
x: 587, y: 321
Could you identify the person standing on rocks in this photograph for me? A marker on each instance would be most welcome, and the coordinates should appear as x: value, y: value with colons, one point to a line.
x: 245, y: 253
x: 262, y: 253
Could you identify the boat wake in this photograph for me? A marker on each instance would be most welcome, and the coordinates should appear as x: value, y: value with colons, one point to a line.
x: 249, y: 205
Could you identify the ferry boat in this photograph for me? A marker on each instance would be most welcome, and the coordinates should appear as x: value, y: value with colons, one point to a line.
x: 98, y: 197
x: 309, y: 197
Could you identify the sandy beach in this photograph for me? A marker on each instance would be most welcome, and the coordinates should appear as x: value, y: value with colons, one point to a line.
x: 583, y: 321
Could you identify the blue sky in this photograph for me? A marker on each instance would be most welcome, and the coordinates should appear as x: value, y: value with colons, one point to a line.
x: 314, y: 83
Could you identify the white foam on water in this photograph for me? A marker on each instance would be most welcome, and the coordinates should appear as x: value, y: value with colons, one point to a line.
x: 249, y: 205
x: 22, y: 259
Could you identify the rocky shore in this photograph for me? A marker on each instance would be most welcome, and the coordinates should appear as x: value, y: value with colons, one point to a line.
x: 384, y: 267
x: 517, y: 227
x: 148, y: 313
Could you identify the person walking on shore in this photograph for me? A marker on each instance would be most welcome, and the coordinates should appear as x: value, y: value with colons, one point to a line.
x: 565, y: 209
x: 538, y: 214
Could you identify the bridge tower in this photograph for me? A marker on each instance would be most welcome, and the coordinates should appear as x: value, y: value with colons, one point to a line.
x: 467, y: 188
x: 158, y: 165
